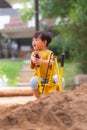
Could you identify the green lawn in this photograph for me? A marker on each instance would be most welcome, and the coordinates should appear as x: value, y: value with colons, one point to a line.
x: 11, y: 69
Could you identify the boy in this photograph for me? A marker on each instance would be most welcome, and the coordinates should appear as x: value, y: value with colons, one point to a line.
x: 41, y: 40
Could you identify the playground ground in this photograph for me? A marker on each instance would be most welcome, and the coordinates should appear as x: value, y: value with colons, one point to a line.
x: 56, y: 111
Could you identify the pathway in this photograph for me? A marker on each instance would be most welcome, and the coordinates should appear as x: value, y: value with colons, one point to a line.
x: 25, y: 75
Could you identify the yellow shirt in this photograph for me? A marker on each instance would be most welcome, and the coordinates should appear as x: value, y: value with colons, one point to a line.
x: 45, y: 55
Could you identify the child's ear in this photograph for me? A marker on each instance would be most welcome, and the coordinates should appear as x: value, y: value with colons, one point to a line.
x: 45, y: 42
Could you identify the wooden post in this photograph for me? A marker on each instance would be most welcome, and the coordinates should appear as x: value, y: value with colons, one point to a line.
x: 36, y: 15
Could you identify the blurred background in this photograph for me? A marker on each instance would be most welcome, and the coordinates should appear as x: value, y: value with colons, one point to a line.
x: 66, y: 20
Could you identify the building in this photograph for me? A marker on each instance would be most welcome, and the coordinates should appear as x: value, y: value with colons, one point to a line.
x: 14, y: 29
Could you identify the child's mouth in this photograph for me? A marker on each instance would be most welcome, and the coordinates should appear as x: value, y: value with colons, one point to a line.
x: 34, y: 45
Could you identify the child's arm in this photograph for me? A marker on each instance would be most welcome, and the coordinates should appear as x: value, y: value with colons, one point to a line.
x: 32, y: 65
x: 39, y: 60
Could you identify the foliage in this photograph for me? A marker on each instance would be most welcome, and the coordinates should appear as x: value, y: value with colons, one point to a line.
x: 56, y: 46
x: 27, y: 11
x: 63, y: 42
x: 56, y: 8
x: 72, y: 25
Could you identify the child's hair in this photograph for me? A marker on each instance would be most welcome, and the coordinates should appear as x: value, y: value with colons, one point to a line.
x: 44, y: 36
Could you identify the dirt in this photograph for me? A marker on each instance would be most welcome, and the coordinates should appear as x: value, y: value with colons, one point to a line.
x: 63, y: 110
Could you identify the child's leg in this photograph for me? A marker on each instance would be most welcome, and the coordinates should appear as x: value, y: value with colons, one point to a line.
x: 34, y: 86
x: 36, y: 93
x: 56, y: 80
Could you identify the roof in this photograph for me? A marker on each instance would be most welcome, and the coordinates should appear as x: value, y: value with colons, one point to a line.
x: 14, y: 27
x: 11, y: 26
x: 23, y: 32
x: 4, y: 4
x: 15, y: 22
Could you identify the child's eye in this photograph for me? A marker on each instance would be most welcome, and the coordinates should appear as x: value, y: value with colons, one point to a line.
x: 34, y: 40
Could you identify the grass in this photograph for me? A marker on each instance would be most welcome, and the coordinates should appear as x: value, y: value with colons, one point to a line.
x: 11, y: 69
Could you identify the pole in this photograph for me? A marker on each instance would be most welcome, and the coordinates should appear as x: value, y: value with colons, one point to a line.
x: 36, y: 15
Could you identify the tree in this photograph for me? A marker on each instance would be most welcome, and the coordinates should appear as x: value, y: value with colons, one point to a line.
x: 72, y: 25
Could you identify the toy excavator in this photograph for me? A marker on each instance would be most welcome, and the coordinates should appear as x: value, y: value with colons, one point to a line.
x: 50, y: 86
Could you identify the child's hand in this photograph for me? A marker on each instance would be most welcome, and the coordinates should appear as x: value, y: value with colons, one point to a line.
x: 36, y: 60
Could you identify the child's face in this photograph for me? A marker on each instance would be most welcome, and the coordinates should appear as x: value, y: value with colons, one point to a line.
x: 38, y: 44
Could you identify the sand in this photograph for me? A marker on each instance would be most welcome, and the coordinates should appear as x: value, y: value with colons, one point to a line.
x: 63, y: 110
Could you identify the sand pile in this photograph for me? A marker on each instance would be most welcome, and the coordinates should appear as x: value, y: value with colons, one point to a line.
x: 65, y: 110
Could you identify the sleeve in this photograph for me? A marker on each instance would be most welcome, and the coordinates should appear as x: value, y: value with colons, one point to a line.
x: 50, y: 58
x: 49, y: 55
